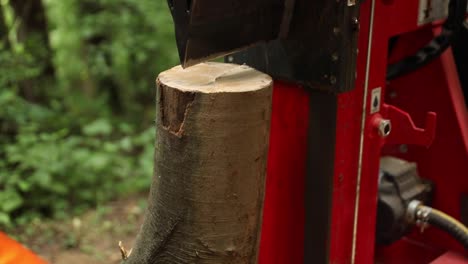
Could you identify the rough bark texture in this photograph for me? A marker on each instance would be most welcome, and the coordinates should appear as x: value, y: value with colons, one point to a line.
x: 206, y: 199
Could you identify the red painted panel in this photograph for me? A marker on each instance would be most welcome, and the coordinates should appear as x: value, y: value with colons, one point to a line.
x: 348, y: 135
x: 406, y: 251
x: 400, y: 16
x: 451, y: 258
x: 282, y: 238
x: 371, y: 142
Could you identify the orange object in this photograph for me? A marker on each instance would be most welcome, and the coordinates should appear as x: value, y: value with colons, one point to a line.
x: 11, y: 252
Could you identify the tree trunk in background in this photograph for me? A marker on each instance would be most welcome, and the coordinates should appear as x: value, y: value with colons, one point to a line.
x: 33, y: 24
x: 33, y: 19
x: 4, y: 44
x: 206, y: 199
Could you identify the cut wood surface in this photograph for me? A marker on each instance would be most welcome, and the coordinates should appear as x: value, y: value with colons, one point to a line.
x: 206, y: 199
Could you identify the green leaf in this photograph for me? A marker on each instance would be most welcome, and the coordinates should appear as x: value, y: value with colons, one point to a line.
x: 42, y: 178
x: 10, y: 200
x: 5, y: 219
x: 98, y: 127
x: 126, y: 144
x: 24, y: 186
x: 58, y: 188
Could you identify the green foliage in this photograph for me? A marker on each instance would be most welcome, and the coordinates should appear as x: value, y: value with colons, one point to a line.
x: 76, y: 113
x: 55, y: 173
x: 112, y: 48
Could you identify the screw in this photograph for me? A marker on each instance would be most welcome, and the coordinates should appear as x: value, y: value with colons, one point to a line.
x: 403, y: 148
x: 384, y: 127
x: 335, y: 57
x: 355, y: 23
x: 336, y: 30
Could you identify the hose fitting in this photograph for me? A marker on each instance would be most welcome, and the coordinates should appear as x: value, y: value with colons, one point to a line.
x: 423, y: 216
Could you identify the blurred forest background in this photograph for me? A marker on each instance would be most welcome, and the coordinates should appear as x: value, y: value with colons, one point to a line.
x: 77, y: 103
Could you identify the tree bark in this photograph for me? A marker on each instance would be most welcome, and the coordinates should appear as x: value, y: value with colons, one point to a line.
x: 32, y: 19
x: 4, y: 44
x: 206, y: 199
x: 33, y: 32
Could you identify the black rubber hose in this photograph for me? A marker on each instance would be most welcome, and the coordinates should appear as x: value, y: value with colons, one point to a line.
x: 436, y: 46
x: 448, y: 224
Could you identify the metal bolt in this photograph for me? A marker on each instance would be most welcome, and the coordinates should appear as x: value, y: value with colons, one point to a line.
x: 355, y: 23
x: 385, y: 127
x: 336, y: 30
x: 403, y: 148
x: 335, y: 57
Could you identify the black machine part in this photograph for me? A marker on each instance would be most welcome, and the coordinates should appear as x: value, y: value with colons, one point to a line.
x: 399, y: 184
x: 309, y: 42
x: 207, y: 29
x: 319, y: 52
x: 460, y: 52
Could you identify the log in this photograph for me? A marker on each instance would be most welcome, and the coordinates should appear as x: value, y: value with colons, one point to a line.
x: 206, y: 198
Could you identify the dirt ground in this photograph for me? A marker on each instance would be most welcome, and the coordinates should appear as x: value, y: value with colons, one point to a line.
x: 92, y: 238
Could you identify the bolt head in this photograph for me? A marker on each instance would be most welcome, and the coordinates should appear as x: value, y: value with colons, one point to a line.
x: 355, y: 23
x: 385, y: 127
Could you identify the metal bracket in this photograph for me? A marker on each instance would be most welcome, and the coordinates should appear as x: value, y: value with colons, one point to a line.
x: 404, y: 131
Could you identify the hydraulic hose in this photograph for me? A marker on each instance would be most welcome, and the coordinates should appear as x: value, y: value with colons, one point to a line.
x: 448, y: 224
x: 435, y: 47
x: 424, y: 215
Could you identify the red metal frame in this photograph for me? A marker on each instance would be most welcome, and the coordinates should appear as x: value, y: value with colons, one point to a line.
x: 445, y: 162
x: 408, y: 102
x: 283, y: 227
x: 450, y: 258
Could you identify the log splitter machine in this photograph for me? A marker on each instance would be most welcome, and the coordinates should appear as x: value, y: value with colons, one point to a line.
x: 369, y: 132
